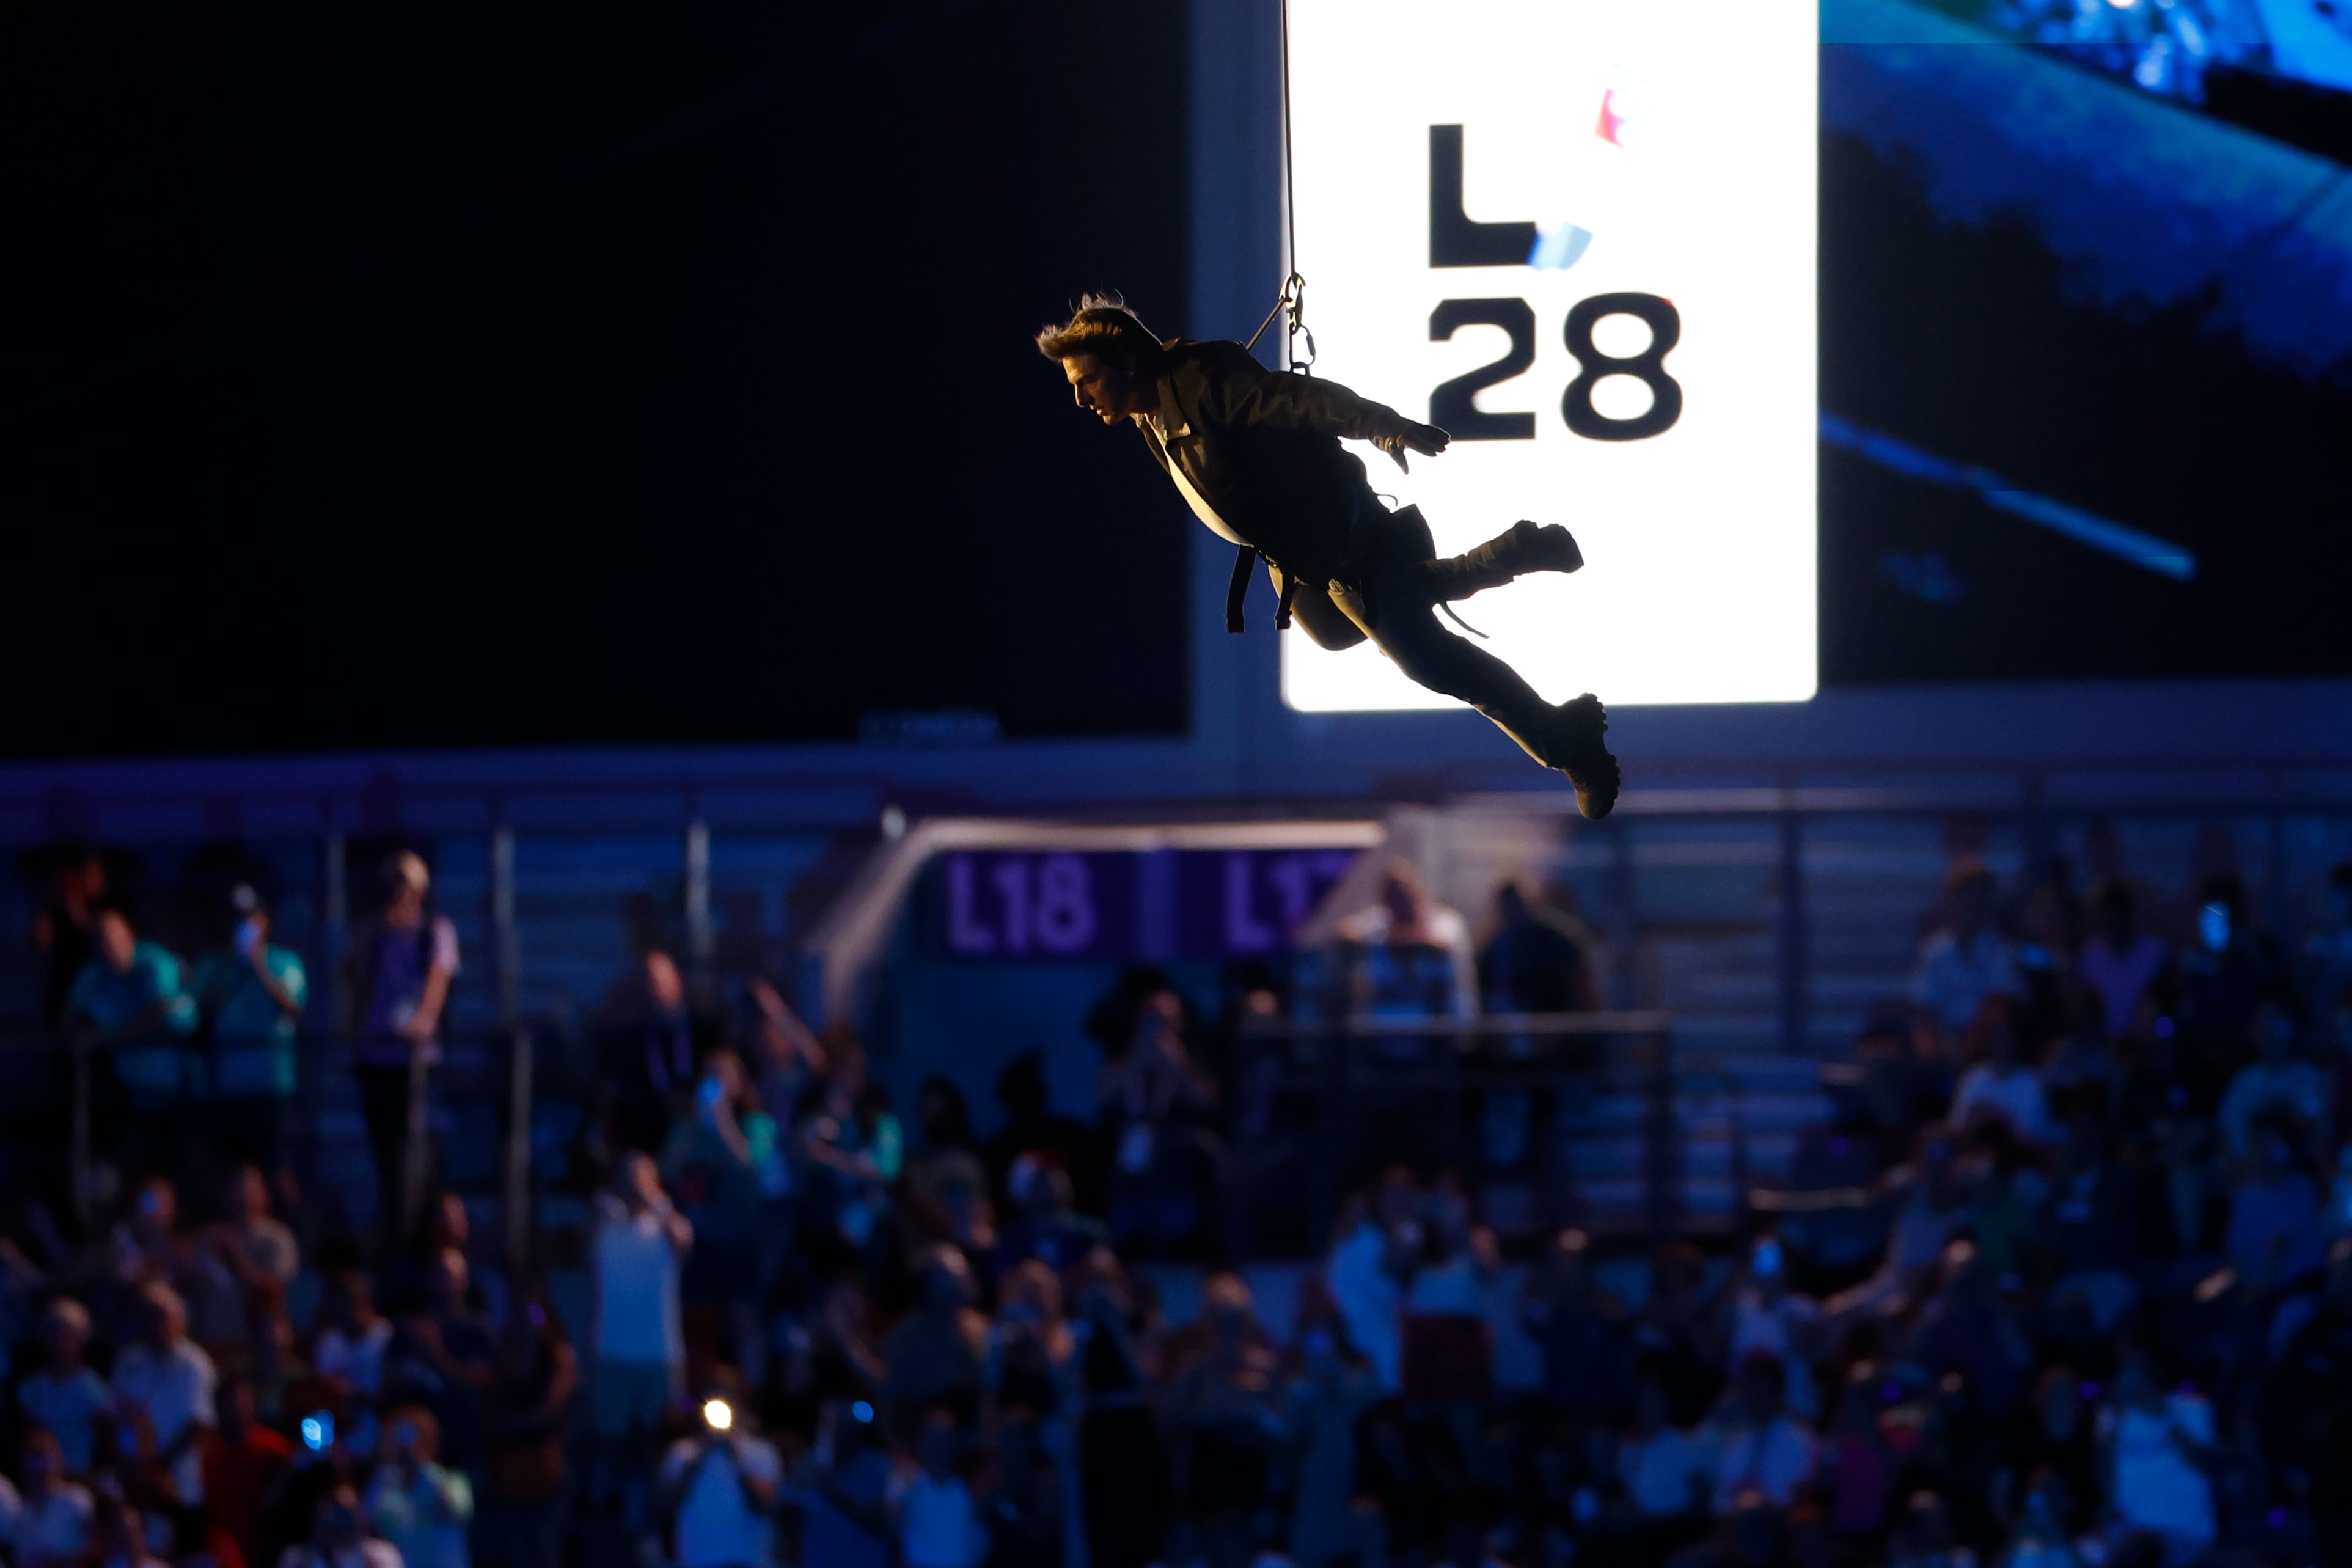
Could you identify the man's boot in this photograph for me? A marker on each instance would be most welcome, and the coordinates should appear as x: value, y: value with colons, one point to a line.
x: 1577, y: 749
x: 1567, y: 736
x: 1517, y: 551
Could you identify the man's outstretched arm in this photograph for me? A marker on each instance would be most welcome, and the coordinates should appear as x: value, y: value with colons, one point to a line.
x: 1288, y: 402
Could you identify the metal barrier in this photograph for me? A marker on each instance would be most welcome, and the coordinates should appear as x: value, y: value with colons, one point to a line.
x: 497, y: 1069
x: 1342, y: 1065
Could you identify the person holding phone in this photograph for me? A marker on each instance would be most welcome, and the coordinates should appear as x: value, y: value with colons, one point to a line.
x: 251, y: 997
x: 722, y: 1485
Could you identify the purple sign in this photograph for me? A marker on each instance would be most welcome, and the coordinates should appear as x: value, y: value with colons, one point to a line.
x: 1207, y: 904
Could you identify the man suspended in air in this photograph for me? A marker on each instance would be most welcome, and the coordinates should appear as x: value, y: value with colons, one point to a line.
x: 1256, y: 454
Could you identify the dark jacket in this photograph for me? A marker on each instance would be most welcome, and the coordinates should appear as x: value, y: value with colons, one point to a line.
x: 1262, y: 448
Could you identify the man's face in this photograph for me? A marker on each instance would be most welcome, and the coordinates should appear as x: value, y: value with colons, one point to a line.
x: 1102, y: 389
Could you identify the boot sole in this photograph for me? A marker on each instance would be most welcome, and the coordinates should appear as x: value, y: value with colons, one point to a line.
x: 1594, y: 770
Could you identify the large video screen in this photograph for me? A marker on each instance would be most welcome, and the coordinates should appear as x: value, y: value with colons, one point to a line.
x: 1580, y: 234
x: 2084, y: 334
x: 2086, y: 340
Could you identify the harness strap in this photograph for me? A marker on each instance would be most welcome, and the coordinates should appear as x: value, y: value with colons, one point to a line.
x: 1237, y: 591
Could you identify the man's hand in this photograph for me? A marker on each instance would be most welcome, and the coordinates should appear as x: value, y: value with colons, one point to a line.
x: 1426, y: 439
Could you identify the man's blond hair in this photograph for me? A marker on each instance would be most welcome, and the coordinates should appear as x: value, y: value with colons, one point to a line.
x: 1105, y: 327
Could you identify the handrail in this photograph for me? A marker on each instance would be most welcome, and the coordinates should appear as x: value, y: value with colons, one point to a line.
x: 1651, y: 1021
x: 1339, y: 1074
x: 516, y: 1096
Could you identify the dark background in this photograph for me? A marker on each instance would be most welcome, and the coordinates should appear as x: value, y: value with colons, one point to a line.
x: 1967, y: 341
x: 447, y: 377
x: 450, y: 378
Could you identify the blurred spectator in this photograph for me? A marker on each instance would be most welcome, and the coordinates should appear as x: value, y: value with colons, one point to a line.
x: 1967, y: 960
x: 146, y: 1243
x: 129, y: 1004
x: 445, y: 1358
x: 2053, y: 1445
x: 48, y: 1524
x: 1320, y: 1412
x: 524, y: 1468
x: 64, y: 1397
x: 2041, y: 1537
x: 648, y: 1054
x: 1049, y: 1226
x: 1408, y: 956
x: 845, y: 1522
x: 415, y: 1505
x: 1586, y: 1343
x: 1155, y: 1108
x: 247, y: 1260
x: 946, y: 1190
x: 1223, y: 1416
x: 164, y: 1410
x: 1965, y: 1327
x: 1857, y: 1466
x: 851, y: 1149
x: 2120, y: 961
x: 351, y: 1347
x: 723, y: 1484
x: 121, y: 1537
x: 938, y: 1517
x: 1926, y: 1538
x: 1123, y: 1464
x: 1668, y: 1473
x: 2000, y: 1084
x: 2278, y: 1079
x: 339, y: 1539
x: 243, y: 1463
x: 1030, y: 1355
x: 934, y: 1354
x: 2274, y: 1238
x: 2231, y: 968
x: 786, y: 1056
x: 1449, y: 1346
x: 2160, y: 1451
x: 251, y: 998
x: 637, y: 1375
x: 1761, y: 1312
x: 724, y: 1163
x: 402, y: 963
x: 1032, y: 1127
x: 1760, y: 1447
x: 64, y: 927
x: 1533, y: 962
x: 1367, y: 1269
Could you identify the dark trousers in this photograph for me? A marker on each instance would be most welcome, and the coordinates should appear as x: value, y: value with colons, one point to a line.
x: 383, y: 1105
x: 1393, y: 600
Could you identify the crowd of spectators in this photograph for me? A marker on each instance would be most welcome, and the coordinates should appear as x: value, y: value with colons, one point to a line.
x: 2066, y: 1279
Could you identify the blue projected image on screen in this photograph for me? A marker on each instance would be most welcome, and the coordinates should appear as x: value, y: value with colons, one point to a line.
x: 2169, y: 45
x: 2086, y: 338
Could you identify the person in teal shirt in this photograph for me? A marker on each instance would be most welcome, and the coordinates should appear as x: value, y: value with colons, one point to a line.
x: 130, y: 1008
x: 252, y: 998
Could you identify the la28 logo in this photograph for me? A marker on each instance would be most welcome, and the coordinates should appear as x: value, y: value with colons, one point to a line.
x: 1456, y: 239
x: 1451, y: 406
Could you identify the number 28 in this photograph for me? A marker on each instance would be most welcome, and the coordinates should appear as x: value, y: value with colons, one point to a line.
x: 1452, y: 404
